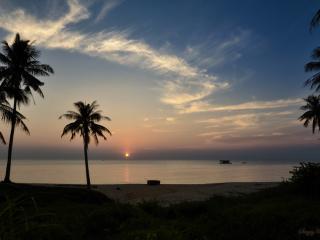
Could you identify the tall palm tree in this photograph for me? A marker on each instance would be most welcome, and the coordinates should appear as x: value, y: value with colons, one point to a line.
x: 312, y: 114
x: 19, y: 69
x: 85, y: 124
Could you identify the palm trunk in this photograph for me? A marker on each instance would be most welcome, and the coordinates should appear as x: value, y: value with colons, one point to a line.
x: 85, y: 144
x: 13, y: 125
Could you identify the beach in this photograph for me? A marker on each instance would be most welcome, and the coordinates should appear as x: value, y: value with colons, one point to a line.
x: 167, y: 194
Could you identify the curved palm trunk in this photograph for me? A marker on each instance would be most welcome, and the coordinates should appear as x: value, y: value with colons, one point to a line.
x: 13, y: 125
x: 85, y: 148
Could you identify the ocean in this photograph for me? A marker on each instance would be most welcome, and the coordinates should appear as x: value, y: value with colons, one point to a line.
x: 139, y: 171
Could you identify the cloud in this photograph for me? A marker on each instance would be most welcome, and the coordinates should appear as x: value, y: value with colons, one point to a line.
x: 188, y: 82
x: 47, y: 33
x: 235, y: 121
x: 249, y: 126
x: 112, y: 45
x: 106, y: 8
x: 170, y: 119
x: 242, y: 121
x: 157, y: 130
x: 179, y: 92
x: 215, y: 51
x: 203, y: 106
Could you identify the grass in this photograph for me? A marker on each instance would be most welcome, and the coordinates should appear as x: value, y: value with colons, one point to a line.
x: 37, y: 212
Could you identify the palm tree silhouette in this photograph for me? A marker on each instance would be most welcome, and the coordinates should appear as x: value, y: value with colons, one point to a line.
x: 18, y: 71
x: 85, y: 124
x: 312, y: 113
x: 314, y: 81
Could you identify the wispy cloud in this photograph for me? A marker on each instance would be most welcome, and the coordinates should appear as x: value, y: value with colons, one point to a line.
x: 170, y: 119
x: 203, y: 106
x: 244, y: 121
x: 248, y: 126
x: 180, y: 91
x: 106, y: 8
x: 113, y: 45
x: 214, y: 51
x: 188, y: 82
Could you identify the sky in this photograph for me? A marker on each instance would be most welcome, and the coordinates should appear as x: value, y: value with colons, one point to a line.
x: 179, y: 79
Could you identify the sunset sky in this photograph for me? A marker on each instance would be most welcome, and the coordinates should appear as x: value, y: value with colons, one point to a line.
x: 199, y: 77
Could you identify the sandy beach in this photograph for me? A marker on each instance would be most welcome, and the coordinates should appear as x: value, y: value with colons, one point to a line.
x: 175, y: 193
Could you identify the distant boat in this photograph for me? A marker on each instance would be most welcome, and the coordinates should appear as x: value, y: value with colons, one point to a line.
x: 225, y: 162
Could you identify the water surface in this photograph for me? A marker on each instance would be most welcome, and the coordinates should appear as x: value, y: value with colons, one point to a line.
x: 138, y: 171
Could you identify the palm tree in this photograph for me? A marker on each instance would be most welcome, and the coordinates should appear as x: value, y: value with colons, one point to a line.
x: 85, y: 124
x: 19, y: 70
x: 312, y: 113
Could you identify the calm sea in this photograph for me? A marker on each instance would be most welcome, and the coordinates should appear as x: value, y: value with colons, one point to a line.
x: 138, y: 171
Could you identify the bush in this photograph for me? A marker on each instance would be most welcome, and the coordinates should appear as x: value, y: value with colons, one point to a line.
x: 20, y: 218
x: 306, y: 177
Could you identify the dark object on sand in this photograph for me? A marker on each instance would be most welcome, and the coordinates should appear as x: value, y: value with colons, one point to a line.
x: 153, y: 182
x: 224, y: 161
x: 118, y: 188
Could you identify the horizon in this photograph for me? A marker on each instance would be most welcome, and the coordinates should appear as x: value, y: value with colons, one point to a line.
x: 185, y: 85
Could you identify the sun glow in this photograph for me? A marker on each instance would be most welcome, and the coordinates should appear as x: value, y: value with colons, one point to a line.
x: 127, y: 155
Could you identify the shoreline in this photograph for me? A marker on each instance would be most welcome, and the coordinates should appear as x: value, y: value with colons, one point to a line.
x: 167, y: 194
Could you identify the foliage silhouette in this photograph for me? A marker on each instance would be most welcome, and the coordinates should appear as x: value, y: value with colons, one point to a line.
x: 312, y: 66
x: 6, y: 115
x: 312, y: 113
x: 85, y: 124
x: 306, y: 178
x: 315, y: 21
x: 18, y: 71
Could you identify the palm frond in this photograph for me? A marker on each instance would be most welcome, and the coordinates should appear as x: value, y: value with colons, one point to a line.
x: 22, y: 125
x: 40, y: 70
x: 313, y: 82
x: 315, y: 21
x: 71, y: 115
x: 4, y: 59
x: 312, y: 66
x: 96, y: 116
x: 96, y: 128
x: 72, y: 128
x: 316, y: 53
x: 2, y: 138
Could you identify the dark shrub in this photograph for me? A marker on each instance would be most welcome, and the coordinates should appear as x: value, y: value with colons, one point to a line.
x: 306, y: 178
x: 20, y: 218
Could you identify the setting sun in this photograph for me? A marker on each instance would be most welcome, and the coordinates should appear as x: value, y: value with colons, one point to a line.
x: 127, y: 155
